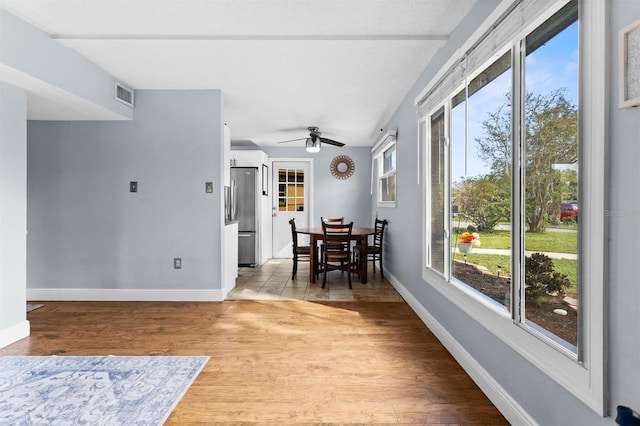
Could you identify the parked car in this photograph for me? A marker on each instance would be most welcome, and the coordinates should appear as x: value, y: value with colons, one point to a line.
x: 569, y: 211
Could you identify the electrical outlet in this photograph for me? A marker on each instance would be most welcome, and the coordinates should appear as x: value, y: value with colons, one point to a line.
x: 177, y: 263
x: 133, y: 186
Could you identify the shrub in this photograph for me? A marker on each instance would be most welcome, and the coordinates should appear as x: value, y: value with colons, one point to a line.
x: 483, y: 200
x: 541, y: 280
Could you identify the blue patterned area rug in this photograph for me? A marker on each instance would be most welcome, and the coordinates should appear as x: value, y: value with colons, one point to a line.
x: 106, y: 390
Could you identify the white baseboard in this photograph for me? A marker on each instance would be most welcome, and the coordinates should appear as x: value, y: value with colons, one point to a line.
x: 509, y: 407
x: 14, y: 333
x: 124, y: 295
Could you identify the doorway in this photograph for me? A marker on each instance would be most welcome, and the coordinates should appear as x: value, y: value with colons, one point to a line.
x: 292, y: 194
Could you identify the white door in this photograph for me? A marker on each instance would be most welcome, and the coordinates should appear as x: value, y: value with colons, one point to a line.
x: 291, y: 195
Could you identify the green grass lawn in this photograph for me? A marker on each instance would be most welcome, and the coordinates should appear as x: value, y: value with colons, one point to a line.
x: 489, y: 261
x: 567, y: 224
x: 557, y: 242
x: 570, y: 269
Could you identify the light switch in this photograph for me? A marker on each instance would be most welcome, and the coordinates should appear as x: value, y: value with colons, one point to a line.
x: 133, y: 186
x: 208, y: 187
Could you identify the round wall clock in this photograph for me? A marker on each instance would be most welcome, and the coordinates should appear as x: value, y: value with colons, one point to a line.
x: 342, y: 167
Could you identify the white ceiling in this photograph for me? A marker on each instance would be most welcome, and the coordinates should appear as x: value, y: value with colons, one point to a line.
x: 282, y: 65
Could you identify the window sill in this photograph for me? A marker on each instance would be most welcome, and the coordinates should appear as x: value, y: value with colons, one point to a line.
x: 387, y: 204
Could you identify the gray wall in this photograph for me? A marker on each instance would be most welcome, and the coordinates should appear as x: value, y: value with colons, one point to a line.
x: 13, y: 208
x: 624, y: 257
x: 546, y: 401
x: 37, y: 56
x: 334, y: 197
x: 86, y: 230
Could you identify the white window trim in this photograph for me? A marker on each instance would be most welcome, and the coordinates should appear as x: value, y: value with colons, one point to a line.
x: 388, y: 139
x: 584, y: 378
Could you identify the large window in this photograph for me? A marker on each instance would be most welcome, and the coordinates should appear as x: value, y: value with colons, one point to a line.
x: 495, y: 213
x: 506, y: 189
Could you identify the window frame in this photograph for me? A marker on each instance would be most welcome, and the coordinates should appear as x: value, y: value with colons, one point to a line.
x: 445, y: 112
x: 584, y: 374
x: 387, y: 142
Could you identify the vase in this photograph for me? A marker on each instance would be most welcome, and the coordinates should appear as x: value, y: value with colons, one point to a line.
x: 464, y: 247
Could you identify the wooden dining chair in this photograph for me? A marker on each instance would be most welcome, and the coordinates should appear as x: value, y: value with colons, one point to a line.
x: 374, y: 251
x: 331, y: 220
x: 299, y: 252
x: 336, y: 249
x: 339, y: 220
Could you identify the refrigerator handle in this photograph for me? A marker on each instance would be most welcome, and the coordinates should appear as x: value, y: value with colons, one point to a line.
x: 233, y: 194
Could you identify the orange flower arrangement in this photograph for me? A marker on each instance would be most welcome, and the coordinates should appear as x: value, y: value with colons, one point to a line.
x: 466, y: 237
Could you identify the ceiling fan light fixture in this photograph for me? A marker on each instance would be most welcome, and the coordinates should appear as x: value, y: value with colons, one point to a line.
x: 312, y: 145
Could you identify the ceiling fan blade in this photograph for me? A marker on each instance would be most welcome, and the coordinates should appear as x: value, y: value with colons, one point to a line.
x: 331, y: 142
x: 293, y: 140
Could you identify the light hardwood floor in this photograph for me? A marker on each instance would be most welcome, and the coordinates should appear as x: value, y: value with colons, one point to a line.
x: 279, y: 361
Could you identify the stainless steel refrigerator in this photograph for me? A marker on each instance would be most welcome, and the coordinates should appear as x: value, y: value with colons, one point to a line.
x: 246, y: 192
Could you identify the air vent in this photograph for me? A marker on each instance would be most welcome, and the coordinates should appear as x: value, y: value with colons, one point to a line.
x: 124, y: 95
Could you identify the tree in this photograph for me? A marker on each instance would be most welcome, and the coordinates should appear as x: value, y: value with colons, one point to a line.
x: 484, y: 200
x: 569, y: 179
x: 551, y: 138
x: 495, y: 147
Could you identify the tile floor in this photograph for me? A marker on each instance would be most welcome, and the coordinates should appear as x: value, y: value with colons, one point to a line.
x: 272, y: 281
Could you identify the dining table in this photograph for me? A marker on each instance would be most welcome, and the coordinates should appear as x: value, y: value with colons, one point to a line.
x: 358, y: 234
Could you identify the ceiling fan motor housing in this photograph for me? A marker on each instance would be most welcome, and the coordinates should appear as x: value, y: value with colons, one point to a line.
x: 314, y: 133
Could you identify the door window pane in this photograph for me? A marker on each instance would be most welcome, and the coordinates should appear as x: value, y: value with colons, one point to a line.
x: 290, y: 190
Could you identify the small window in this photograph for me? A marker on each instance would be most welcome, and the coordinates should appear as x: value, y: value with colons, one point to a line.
x: 385, y: 158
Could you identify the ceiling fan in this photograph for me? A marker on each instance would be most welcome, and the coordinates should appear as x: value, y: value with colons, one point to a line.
x: 315, y: 139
